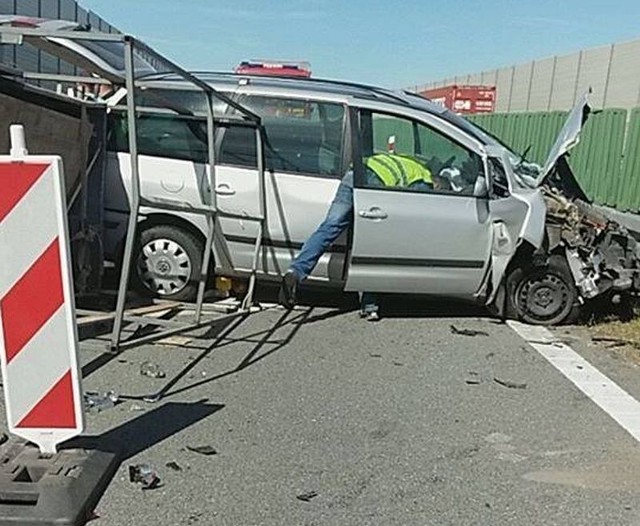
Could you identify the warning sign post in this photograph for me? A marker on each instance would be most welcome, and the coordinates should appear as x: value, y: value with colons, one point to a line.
x: 42, y: 483
x: 38, y: 337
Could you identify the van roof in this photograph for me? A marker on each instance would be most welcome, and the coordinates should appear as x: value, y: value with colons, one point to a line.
x: 315, y: 86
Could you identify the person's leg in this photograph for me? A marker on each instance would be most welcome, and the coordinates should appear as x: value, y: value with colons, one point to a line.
x: 336, y: 221
x: 369, y: 307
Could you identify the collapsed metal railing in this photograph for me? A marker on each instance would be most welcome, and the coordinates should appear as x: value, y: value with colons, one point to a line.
x: 99, y: 54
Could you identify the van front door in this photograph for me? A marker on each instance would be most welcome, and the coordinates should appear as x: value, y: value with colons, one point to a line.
x: 430, y: 236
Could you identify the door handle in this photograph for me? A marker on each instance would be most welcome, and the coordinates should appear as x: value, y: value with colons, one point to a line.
x: 373, y: 213
x: 224, y: 189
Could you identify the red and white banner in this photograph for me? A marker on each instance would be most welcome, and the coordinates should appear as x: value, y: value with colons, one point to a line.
x: 38, y: 336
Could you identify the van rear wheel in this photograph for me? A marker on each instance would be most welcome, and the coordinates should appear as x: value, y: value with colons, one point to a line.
x: 168, y: 263
x: 544, y: 295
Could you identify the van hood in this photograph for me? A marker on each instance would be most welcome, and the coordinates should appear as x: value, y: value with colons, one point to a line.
x: 568, y: 138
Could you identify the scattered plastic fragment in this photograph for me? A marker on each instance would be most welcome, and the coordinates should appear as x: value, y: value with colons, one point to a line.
x: 174, y: 466
x: 306, y: 497
x: 143, y: 474
x: 467, y: 332
x: 136, y: 407
x: 509, y: 384
x: 152, y: 370
x: 203, y: 450
x: 473, y: 378
x: 96, y: 402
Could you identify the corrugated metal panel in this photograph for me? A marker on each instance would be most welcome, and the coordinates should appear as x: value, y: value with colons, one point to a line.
x: 6, y: 7
x: 564, y: 82
x: 27, y: 57
x: 49, y: 9
x: 624, y: 79
x: 82, y: 16
x: 504, y: 79
x: 67, y: 10
x: 594, y: 69
x: 489, y: 78
x: 540, y: 91
x: 94, y: 20
x: 523, y: 130
x: 520, y: 90
x: 596, y: 161
x: 628, y: 195
x: 27, y: 7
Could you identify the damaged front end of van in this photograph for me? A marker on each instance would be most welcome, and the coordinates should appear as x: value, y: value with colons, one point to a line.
x: 565, y: 252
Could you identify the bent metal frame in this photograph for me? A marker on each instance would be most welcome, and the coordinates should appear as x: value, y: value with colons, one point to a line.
x: 208, y: 206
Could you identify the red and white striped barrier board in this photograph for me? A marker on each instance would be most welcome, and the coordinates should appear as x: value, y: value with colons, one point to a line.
x: 38, y: 336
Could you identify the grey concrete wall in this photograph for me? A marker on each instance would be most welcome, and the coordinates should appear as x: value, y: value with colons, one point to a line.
x: 554, y: 83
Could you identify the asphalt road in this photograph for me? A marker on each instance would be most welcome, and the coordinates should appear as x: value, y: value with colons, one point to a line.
x: 400, y: 422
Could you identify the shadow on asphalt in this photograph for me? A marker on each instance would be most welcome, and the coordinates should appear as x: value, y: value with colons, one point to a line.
x: 292, y: 320
x: 151, y: 428
x: 391, y: 305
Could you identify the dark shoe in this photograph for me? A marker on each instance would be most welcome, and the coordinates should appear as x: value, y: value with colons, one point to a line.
x: 287, y: 295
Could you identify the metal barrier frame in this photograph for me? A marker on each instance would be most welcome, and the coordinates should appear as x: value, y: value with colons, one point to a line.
x: 209, y: 208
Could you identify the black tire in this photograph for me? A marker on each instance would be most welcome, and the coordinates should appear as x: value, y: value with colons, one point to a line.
x: 543, y: 295
x: 167, y: 263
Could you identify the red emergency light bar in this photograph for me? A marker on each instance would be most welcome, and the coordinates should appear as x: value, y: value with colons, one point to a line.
x: 274, y: 69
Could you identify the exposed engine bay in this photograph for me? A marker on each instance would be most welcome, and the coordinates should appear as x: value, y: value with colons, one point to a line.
x: 602, y: 255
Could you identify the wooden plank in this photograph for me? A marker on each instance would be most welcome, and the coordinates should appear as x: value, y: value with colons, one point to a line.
x: 147, y: 309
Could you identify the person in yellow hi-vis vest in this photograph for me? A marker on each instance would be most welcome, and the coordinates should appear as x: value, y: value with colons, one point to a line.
x: 397, y: 170
x: 382, y: 170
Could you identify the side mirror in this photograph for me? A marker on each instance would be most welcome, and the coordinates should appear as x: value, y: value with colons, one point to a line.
x: 480, y: 188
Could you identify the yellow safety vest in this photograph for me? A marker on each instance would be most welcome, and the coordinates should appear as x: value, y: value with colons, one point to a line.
x: 398, y: 170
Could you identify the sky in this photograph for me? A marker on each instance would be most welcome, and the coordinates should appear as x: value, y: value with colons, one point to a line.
x: 386, y: 43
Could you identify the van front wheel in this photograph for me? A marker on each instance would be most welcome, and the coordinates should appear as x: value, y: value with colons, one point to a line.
x: 543, y: 295
x: 168, y: 263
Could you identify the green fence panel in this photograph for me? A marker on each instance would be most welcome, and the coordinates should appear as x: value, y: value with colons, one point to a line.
x: 628, y: 191
x: 536, y: 131
x: 596, y: 160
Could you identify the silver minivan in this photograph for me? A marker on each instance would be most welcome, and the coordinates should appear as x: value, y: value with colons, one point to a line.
x: 493, y: 228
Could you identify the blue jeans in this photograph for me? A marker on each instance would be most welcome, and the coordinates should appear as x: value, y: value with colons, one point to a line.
x: 337, y: 221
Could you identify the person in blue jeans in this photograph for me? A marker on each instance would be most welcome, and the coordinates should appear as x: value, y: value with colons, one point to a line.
x: 337, y: 221
x: 381, y: 170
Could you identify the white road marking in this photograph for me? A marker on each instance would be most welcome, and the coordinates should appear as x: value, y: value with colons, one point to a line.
x: 611, y: 398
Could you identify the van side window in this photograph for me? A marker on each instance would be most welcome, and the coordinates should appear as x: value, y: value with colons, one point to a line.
x: 408, y: 155
x: 237, y: 146
x: 302, y: 136
x: 169, y: 136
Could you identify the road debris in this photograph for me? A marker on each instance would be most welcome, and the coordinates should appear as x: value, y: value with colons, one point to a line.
x: 509, y: 384
x: 174, y: 466
x: 614, y: 342
x: 145, y: 475
x: 203, y: 450
x: 467, y: 332
x: 152, y: 370
x: 306, y: 497
x: 96, y: 402
x: 473, y: 378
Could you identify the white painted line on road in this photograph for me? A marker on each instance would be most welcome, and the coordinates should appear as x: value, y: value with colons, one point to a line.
x: 611, y: 398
